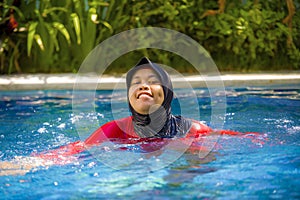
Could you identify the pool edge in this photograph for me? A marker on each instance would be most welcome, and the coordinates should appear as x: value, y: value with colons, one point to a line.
x: 92, y: 81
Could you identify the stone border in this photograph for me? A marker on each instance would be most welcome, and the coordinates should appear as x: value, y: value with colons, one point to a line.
x: 66, y: 81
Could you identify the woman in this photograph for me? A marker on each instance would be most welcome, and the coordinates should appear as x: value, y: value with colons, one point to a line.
x: 149, y: 93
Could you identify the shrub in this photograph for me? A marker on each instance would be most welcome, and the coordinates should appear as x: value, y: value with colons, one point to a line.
x: 55, y: 36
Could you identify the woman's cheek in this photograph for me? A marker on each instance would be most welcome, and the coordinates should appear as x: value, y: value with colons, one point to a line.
x: 131, y: 92
x: 160, y: 94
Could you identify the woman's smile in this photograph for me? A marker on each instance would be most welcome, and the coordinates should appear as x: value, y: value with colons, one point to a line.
x: 144, y: 94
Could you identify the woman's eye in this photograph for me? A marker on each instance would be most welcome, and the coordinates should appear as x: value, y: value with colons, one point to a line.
x: 135, y: 82
x: 154, y: 82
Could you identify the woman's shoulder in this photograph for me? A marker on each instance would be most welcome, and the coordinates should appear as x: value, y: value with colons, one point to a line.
x: 112, y: 129
x: 122, y: 124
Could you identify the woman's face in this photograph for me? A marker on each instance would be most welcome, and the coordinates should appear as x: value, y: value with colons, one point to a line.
x: 145, y: 93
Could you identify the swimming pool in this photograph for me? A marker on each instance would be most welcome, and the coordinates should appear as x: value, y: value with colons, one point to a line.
x: 35, y: 121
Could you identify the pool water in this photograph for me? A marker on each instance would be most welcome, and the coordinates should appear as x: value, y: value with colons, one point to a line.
x: 238, y: 167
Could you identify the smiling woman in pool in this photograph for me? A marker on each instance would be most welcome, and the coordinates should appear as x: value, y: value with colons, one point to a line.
x: 149, y: 93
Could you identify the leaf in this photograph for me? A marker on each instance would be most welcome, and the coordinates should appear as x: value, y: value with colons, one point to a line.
x: 89, y: 31
x: 21, y: 15
x: 79, y: 8
x: 107, y: 25
x: 50, y: 10
x: 30, y: 37
x: 76, y: 23
x: 53, y: 34
x: 236, y: 49
x: 92, y: 15
x: 61, y: 28
x: 283, y: 28
x: 98, y: 3
x: 109, y: 10
x: 39, y: 41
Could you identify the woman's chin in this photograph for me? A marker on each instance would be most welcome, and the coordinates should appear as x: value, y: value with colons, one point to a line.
x: 144, y: 110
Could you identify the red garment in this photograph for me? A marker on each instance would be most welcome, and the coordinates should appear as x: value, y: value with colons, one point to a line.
x: 122, y: 130
x: 117, y: 129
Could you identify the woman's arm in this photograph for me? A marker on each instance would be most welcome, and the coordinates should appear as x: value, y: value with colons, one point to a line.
x: 21, y: 165
x: 62, y: 155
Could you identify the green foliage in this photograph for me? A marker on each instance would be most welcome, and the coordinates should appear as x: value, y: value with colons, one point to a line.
x: 253, y: 37
x: 59, y: 34
x: 56, y: 36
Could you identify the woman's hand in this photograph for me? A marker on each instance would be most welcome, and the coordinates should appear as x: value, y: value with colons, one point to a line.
x: 20, y: 165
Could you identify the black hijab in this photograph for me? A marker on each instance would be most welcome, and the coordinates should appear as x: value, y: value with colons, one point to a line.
x: 160, y: 123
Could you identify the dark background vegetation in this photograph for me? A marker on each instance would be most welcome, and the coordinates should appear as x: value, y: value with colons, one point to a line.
x: 43, y: 36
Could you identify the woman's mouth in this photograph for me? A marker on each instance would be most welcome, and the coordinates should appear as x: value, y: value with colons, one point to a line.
x: 144, y: 94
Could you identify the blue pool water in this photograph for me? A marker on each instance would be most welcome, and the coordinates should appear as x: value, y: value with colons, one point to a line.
x: 238, y: 167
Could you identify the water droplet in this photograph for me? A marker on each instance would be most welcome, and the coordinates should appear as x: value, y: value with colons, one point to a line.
x: 61, y: 126
x: 42, y: 130
x: 96, y: 174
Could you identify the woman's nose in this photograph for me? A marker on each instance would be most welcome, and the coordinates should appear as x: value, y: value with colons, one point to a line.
x: 144, y: 87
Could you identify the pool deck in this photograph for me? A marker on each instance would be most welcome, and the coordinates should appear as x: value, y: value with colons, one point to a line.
x: 92, y: 81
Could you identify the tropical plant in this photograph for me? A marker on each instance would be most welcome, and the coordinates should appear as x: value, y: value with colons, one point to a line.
x: 55, y: 36
x: 64, y: 32
x: 252, y: 37
x: 59, y: 34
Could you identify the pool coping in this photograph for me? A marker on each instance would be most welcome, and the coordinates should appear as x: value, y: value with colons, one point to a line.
x: 105, y: 82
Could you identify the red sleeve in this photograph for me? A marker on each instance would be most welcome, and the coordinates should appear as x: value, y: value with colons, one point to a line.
x: 198, y: 129
x: 63, y: 154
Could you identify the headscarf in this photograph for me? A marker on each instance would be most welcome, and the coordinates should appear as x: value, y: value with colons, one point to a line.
x: 160, y: 123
